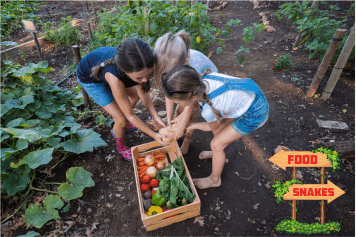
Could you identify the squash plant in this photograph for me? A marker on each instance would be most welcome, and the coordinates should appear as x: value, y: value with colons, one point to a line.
x: 163, y: 17
x: 38, y: 130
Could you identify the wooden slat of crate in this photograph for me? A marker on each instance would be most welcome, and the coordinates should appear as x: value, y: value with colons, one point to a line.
x: 185, y: 212
x: 346, y: 148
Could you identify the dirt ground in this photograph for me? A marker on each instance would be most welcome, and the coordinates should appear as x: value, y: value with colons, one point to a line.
x: 243, y: 205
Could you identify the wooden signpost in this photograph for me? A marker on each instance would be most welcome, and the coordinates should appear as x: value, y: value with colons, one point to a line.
x: 30, y: 27
x: 296, y: 192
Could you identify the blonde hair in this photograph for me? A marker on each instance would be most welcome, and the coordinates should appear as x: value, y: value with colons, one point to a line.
x: 171, y: 50
x: 183, y: 82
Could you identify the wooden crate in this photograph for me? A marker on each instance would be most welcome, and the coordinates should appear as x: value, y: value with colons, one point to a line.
x: 164, y: 218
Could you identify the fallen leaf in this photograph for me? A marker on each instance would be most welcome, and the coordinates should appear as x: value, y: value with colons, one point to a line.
x: 251, y: 221
x: 263, y: 222
x: 267, y: 185
x: 211, y: 217
x: 74, y: 215
x: 299, y: 175
x: 109, y: 205
x: 200, y: 220
x: 102, y: 175
x: 255, y: 206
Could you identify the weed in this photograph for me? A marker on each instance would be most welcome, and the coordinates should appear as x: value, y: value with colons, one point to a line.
x: 283, y: 62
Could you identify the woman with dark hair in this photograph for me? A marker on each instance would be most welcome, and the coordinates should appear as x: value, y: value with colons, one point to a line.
x: 116, y: 78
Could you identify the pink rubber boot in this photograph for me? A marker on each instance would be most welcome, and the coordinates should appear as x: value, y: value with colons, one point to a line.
x: 122, y: 149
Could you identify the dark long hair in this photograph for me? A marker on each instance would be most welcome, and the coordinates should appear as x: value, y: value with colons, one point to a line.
x: 183, y: 82
x: 132, y: 55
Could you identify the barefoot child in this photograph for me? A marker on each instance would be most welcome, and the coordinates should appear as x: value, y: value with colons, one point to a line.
x: 116, y: 78
x: 233, y: 107
x: 174, y: 50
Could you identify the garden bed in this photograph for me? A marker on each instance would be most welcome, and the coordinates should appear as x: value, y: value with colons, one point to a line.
x: 111, y: 207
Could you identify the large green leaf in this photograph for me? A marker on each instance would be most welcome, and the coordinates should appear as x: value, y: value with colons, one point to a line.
x: 79, y: 177
x: 87, y: 139
x: 54, y: 142
x: 36, y: 158
x: 15, y: 123
x: 5, y: 164
x: 21, y: 144
x: 5, y: 151
x: 29, y: 134
x: 69, y: 191
x: 16, y: 113
x: 9, y: 43
x: 53, y: 201
x: 30, y: 234
x: 38, y: 216
x: 3, y: 109
x: 14, y: 183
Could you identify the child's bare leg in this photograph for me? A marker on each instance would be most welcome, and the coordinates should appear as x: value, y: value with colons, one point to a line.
x: 218, y: 144
x: 188, y: 137
x: 209, y: 154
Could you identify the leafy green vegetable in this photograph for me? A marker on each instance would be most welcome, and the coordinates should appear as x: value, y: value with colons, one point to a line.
x: 174, y: 185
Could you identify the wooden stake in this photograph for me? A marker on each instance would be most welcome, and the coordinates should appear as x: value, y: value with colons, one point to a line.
x: 339, y: 34
x: 147, y: 23
x: 89, y: 31
x: 322, y: 203
x: 340, y: 64
x: 294, y: 202
x: 37, y: 44
x: 77, y: 58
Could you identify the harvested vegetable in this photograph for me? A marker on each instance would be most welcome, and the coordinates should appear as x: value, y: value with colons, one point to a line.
x: 150, y: 160
x: 160, y: 165
x: 154, y: 183
x: 146, y: 179
x: 147, y: 195
x: 154, y: 210
x: 147, y: 204
x: 151, y: 171
x: 158, y: 199
x: 153, y: 191
x: 143, y: 170
x: 145, y: 187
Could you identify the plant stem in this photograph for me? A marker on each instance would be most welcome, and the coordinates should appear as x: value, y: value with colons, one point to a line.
x: 54, y: 183
x: 7, y: 60
x: 33, y: 177
x: 65, y: 157
x: 42, y: 190
x: 235, y: 37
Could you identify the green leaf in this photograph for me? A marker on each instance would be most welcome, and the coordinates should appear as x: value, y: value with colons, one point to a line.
x: 54, y: 142
x: 69, y: 192
x: 3, y: 109
x: 241, y: 59
x: 5, y: 151
x: 28, y: 134
x: 87, y: 139
x: 21, y: 144
x: 14, y: 183
x: 37, y: 216
x: 36, y: 158
x: 15, y: 123
x: 42, y: 64
x: 53, y: 201
x: 79, y: 177
x: 321, y: 116
x: 220, y: 50
x: 9, y: 43
x: 66, y: 208
x: 30, y: 234
x: 78, y: 100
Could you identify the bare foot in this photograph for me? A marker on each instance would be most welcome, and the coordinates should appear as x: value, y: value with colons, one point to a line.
x: 205, y: 155
x: 208, y: 182
x: 185, y: 147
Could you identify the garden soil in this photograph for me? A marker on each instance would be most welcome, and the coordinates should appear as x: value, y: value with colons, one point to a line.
x: 244, y: 204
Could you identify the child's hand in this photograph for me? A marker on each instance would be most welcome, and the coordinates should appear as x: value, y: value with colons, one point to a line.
x: 159, y: 138
x: 190, y: 128
x: 159, y: 122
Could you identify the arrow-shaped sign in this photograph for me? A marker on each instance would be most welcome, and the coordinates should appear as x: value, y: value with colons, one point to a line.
x: 286, y: 159
x: 327, y: 191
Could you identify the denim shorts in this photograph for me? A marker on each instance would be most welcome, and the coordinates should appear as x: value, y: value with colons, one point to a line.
x: 255, y: 117
x: 247, y: 123
x: 100, y: 92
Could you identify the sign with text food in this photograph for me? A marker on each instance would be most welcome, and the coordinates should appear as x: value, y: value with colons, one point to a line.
x: 327, y: 192
x: 286, y: 159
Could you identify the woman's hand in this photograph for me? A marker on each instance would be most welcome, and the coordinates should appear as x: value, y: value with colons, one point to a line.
x: 159, y: 138
x: 159, y: 122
